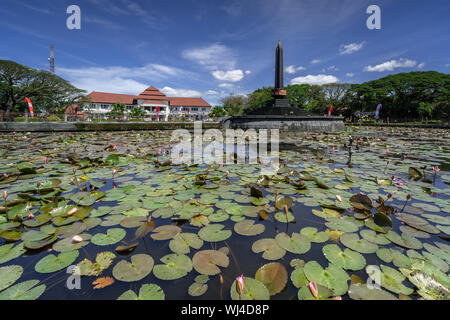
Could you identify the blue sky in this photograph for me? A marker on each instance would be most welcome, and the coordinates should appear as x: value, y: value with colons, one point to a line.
x: 215, y: 48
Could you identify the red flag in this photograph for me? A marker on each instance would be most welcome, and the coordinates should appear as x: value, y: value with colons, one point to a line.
x: 30, y: 106
x: 329, y: 112
x: 157, y: 112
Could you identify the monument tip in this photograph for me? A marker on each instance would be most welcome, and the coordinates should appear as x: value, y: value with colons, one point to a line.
x: 279, y: 44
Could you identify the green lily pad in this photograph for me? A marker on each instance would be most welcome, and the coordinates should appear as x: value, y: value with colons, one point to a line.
x: 103, y: 261
x: 253, y: 290
x: 23, y: 291
x: 141, y: 265
x: 10, y: 252
x: 175, y: 266
x: 147, y: 292
x: 270, y: 247
x: 342, y: 224
x: 373, y: 237
x: 35, y: 245
x: 274, y: 276
x: 112, y: 236
x: 388, y: 278
x: 52, y: 263
x: 314, y: 235
x: 207, y: 261
x: 249, y: 228
x: 67, y: 244
x: 284, y: 217
x: 298, y: 277
x: 297, y: 243
x: 352, y: 241
x: 9, y: 275
x: 182, y: 242
x: 323, y: 293
x: 347, y: 259
x: 85, y: 198
x: 404, y: 240
x: 360, y: 291
x: 197, y: 289
x: 165, y: 232
x: 214, y: 233
x: 333, y: 277
x: 38, y: 220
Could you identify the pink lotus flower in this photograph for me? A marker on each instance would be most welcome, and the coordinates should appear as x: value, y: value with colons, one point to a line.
x: 338, y: 198
x: 5, y: 194
x: 24, y: 137
x: 30, y: 216
x: 77, y: 239
x: 240, y: 285
x: 109, y: 134
x: 436, y: 169
x: 114, y: 147
x: 72, y: 212
x: 227, y: 173
x: 159, y: 151
x: 312, y: 286
x: 114, y: 172
x: 387, y: 150
x: 45, y: 160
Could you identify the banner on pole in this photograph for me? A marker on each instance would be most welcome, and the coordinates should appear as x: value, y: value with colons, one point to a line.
x: 30, y: 107
x: 329, y: 112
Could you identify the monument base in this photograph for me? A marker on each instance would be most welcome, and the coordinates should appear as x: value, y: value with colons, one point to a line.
x: 279, y: 107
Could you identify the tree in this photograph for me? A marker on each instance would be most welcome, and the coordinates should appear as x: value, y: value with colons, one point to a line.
x: 425, y: 109
x: 46, y: 90
x: 234, y: 105
x: 137, y: 112
x: 217, y: 112
x: 118, y: 110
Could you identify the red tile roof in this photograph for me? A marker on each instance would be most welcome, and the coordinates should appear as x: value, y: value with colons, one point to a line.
x: 104, y: 97
x: 151, y: 92
x: 188, y: 102
x: 153, y: 102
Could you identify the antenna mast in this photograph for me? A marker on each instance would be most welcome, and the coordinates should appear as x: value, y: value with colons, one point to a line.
x: 52, y: 59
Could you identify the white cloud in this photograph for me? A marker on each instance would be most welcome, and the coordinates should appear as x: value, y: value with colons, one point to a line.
x: 350, y: 75
x: 422, y: 65
x: 315, y: 79
x: 351, y: 48
x: 226, y: 85
x: 211, y: 93
x: 213, y: 57
x: 247, y: 72
x: 171, y: 92
x: 117, y: 79
x: 293, y: 69
x: 391, y: 65
x: 315, y: 61
x: 333, y: 68
x: 233, y: 75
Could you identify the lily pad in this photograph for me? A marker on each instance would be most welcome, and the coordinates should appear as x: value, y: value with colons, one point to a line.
x: 404, y: 240
x: 175, y: 266
x: 165, y: 232
x: 253, y: 290
x: 360, y: 291
x: 274, y: 276
x: 214, y: 233
x: 333, y: 277
x: 373, y: 237
x: 23, y: 291
x: 103, y: 261
x: 182, y: 242
x: 314, y: 235
x: 52, y: 263
x: 298, y: 277
x: 147, y: 292
x: 271, y: 249
x: 352, y: 241
x: 296, y: 243
x: 112, y: 236
x: 141, y: 265
x: 347, y: 259
x: 9, y: 275
x: 248, y: 228
x: 207, y: 261
x: 197, y: 289
x: 10, y: 252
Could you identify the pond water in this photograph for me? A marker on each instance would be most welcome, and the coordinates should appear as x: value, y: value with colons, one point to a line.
x: 381, y: 222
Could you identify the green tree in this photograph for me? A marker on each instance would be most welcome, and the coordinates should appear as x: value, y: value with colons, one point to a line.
x: 118, y: 110
x: 234, y: 105
x: 137, y: 112
x: 46, y: 90
x: 217, y: 112
x: 425, y: 109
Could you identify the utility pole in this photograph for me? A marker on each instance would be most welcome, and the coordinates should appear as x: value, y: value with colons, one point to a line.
x: 51, y: 59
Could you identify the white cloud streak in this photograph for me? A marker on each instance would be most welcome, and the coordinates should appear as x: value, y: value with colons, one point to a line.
x: 315, y: 79
x: 351, y: 48
x: 391, y: 65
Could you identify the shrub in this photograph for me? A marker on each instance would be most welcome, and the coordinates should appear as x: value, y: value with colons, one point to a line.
x: 53, y: 118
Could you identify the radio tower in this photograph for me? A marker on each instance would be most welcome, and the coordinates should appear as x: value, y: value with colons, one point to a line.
x: 52, y: 59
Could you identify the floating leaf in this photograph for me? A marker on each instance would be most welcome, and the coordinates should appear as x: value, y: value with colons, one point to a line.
x: 112, y: 236
x: 147, y: 292
x: 248, y: 228
x: 345, y: 225
x: 253, y: 290
x: 207, y: 262
x: 23, y: 291
x: 352, y: 241
x: 347, y: 259
x: 103, y: 261
x: 10, y: 252
x: 298, y: 277
x: 175, y: 266
x: 388, y: 278
x: 165, y: 232
x: 404, y: 240
x: 361, y: 291
x: 360, y: 201
x: 68, y: 244
x: 101, y: 283
x: 314, y: 236
x: 297, y: 243
x: 373, y: 237
x: 9, y: 275
x: 274, y: 276
x: 283, y: 201
x: 333, y: 277
x: 197, y: 289
x: 141, y: 265
x: 214, y: 233
x: 182, y: 242
x: 271, y: 249
x: 323, y: 293
x: 52, y: 263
